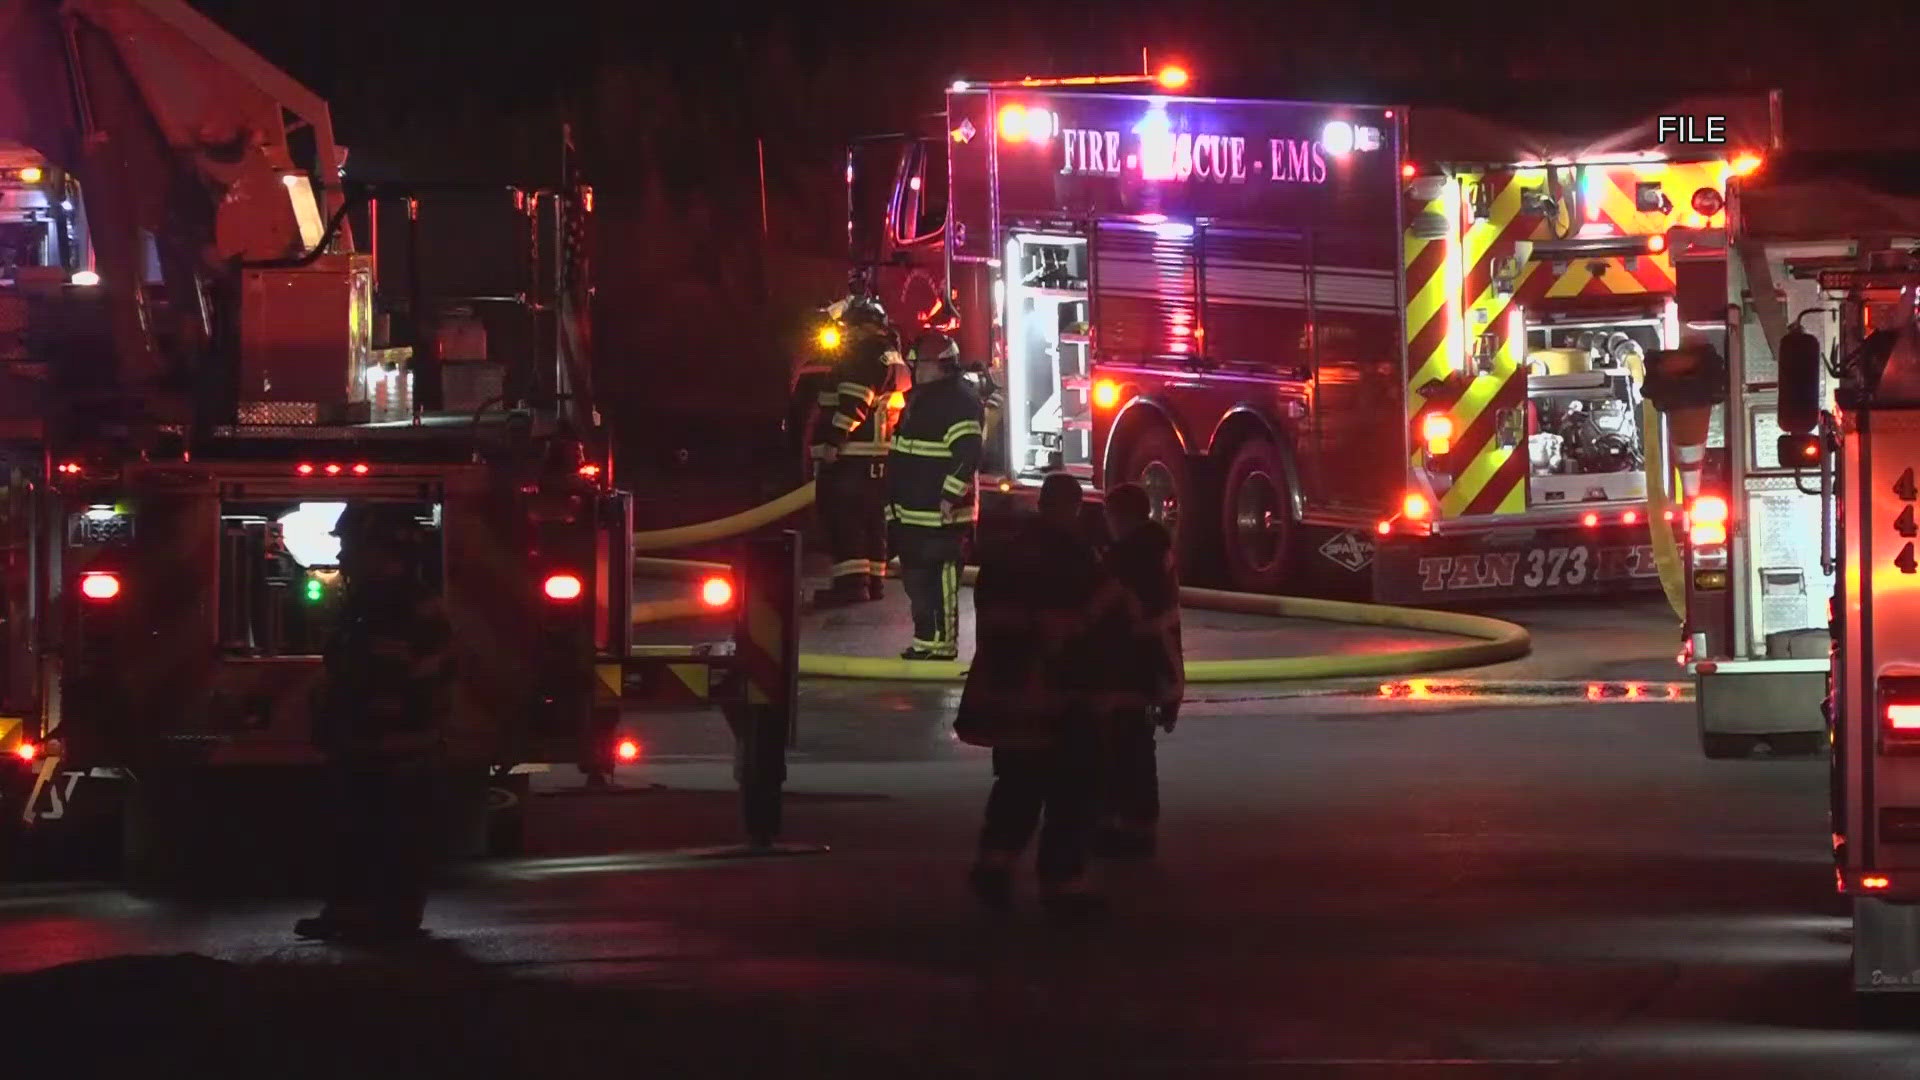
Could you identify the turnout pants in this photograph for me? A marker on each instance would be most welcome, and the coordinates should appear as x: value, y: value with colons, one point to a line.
x: 1059, y: 782
x: 384, y: 817
x: 930, y: 570
x: 852, y: 496
x: 1131, y: 800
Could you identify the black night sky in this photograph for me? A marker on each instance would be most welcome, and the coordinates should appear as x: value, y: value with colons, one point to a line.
x: 668, y: 101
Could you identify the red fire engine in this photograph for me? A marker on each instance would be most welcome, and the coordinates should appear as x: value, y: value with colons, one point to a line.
x: 1389, y: 350
x: 196, y: 389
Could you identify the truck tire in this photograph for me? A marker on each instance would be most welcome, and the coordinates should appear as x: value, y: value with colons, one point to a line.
x: 1256, y: 518
x: 1154, y: 459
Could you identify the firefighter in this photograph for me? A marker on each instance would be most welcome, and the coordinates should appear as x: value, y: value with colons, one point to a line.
x: 850, y: 446
x: 380, y: 723
x: 930, y: 483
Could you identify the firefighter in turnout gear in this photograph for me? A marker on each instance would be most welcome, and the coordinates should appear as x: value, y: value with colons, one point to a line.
x: 930, y: 484
x: 850, y: 451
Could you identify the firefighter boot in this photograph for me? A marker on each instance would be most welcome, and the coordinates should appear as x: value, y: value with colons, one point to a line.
x: 843, y: 592
x: 876, y: 587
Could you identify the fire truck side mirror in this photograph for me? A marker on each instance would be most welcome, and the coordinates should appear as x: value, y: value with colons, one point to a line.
x: 1799, y: 403
x: 1691, y: 376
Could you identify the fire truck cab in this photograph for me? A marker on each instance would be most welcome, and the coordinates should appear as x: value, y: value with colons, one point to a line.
x: 199, y: 383
x: 1388, y: 350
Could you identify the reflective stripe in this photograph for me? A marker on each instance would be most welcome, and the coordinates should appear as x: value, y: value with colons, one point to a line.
x: 860, y: 392
x: 846, y: 567
x: 877, y: 568
x: 950, y: 605
x: 862, y: 448
x: 920, y: 447
x: 929, y: 519
x: 893, y: 357
x: 961, y: 430
x: 843, y: 421
x: 953, y: 485
x: 827, y: 398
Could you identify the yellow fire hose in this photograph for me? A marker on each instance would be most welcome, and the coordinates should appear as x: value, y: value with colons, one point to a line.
x: 1495, y: 640
x: 1666, y: 553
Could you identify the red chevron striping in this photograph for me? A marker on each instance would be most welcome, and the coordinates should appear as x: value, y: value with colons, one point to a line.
x: 1479, y: 434
x: 1511, y: 472
x: 1480, y: 274
x: 1651, y: 277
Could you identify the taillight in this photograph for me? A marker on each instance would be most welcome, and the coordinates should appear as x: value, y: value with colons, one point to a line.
x: 99, y: 585
x: 562, y: 587
x: 627, y: 750
x: 1904, y: 719
x: 1631, y: 517
x: 1708, y: 520
x: 1437, y: 430
x: 716, y: 592
x: 1590, y: 519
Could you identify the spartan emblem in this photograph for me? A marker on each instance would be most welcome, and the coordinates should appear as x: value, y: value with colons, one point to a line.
x: 1350, y: 550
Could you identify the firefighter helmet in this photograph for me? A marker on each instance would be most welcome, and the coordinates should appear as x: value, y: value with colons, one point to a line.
x: 936, y: 347
x: 864, y: 311
x: 943, y: 316
x: 376, y: 521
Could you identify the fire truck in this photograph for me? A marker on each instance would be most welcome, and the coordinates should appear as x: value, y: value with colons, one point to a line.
x: 1840, y: 415
x: 1391, y: 350
x: 1760, y: 558
x: 200, y: 379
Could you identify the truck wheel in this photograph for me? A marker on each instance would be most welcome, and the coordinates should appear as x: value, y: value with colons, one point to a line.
x: 507, y: 815
x: 1155, y: 460
x: 1256, y: 518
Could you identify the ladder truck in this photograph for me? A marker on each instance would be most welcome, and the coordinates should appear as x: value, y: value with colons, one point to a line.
x: 197, y: 386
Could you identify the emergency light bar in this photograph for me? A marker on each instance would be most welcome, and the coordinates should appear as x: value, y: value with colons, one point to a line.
x: 332, y: 468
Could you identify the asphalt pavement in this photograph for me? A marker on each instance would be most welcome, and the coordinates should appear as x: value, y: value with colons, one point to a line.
x: 1516, y: 883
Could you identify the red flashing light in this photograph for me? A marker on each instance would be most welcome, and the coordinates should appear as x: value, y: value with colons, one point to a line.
x: 1903, y: 717
x: 69, y: 468
x: 590, y: 471
x: 1657, y: 243
x: 99, y: 585
x: 716, y: 592
x: 1590, y: 519
x: 362, y: 469
x: 1876, y: 882
x: 1631, y: 517
x: 1407, y: 171
x: 627, y: 750
x: 333, y: 469
x: 1708, y: 520
x: 1173, y: 77
x: 304, y: 468
x: 1013, y: 122
x: 26, y: 751
x: 1746, y: 164
x: 1415, y: 507
x: 563, y: 587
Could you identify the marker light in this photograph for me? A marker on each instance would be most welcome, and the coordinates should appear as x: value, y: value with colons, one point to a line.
x: 1006, y: 486
x: 1631, y: 517
x: 1903, y: 717
x: 1337, y: 138
x: 333, y: 468
x: 1407, y: 171
x: 26, y: 751
x: 1746, y: 164
x: 1106, y: 394
x: 1656, y: 243
x: 1384, y: 528
x: 69, y: 468
x: 361, y: 468
x: 1875, y: 882
x: 829, y: 337
x: 627, y: 750
x: 1590, y: 519
x: 562, y: 587
x: 1173, y: 77
x: 1437, y: 430
x: 1415, y: 507
x: 716, y: 592
x: 85, y: 277
x: 305, y: 468
x: 32, y: 174
x: 1013, y: 122
x: 1708, y: 518
x: 99, y: 585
